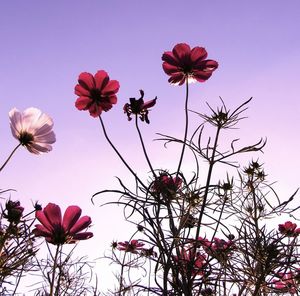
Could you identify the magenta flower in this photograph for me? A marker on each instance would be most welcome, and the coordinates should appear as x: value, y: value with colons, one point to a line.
x: 33, y: 129
x: 139, y: 107
x: 289, y: 229
x: 96, y: 93
x: 191, y: 260
x: 184, y: 63
x: 133, y: 247
x: 286, y: 283
x: 58, y: 230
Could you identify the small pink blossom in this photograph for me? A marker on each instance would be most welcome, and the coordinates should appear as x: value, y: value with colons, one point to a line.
x: 33, y: 129
x: 286, y: 283
x: 133, y: 247
x: 191, y: 260
x: 289, y: 229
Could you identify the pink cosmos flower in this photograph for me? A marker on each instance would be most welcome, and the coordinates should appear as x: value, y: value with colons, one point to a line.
x: 192, y: 260
x: 133, y: 247
x: 139, y: 107
x: 184, y: 63
x: 286, y: 283
x: 289, y: 229
x: 33, y: 129
x: 58, y: 230
x: 96, y: 93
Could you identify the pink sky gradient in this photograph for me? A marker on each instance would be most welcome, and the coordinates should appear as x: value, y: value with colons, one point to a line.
x: 46, y: 44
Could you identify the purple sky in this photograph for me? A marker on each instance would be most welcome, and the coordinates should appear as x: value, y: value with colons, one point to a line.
x: 46, y: 44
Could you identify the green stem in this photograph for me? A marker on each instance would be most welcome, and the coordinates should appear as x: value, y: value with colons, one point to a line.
x: 53, y: 271
x: 143, y: 145
x: 120, y: 156
x: 10, y: 156
x: 209, y: 175
x: 186, y: 127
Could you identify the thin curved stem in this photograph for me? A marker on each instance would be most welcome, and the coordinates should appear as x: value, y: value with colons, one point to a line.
x: 9, y: 157
x: 120, y: 156
x: 186, y: 127
x: 143, y: 145
x: 53, y: 271
x: 209, y: 175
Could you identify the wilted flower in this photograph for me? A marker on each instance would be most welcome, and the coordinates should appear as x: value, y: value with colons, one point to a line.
x: 13, y: 212
x: 289, y: 229
x: 139, y: 107
x: 148, y: 252
x: 133, y: 247
x: 60, y: 231
x: 33, y: 129
x: 96, y: 93
x: 166, y: 185
x: 183, y: 64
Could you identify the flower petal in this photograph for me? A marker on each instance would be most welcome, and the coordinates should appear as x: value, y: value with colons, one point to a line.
x: 82, y: 235
x: 71, y: 216
x: 44, y: 220
x: 101, y: 79
x: 111, y: 88
x: 95, y: 110
x: 169, y: 58
x: 170, y: 69
x: 41, y: 230
x: 81, y: 224
x: 83, y: 103
x: 181, y: 51
x: 198, y: 54
x: 149, y: 104
x: 86, y: 80
x: 81, y: 91
x: 53, y: 214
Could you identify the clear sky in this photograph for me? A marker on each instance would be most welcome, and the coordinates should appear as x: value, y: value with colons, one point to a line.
x: 46, y: 44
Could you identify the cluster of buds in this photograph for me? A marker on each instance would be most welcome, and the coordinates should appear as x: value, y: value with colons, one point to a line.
x: 255, y: 172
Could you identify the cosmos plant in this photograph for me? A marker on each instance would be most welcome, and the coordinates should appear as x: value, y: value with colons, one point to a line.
x: 198, y: 231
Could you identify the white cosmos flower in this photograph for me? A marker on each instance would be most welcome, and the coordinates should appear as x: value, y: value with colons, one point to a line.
x: 33, y: 129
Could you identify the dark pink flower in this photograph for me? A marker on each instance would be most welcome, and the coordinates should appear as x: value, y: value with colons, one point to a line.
x: 96, y: 93
x: 58, y: 230
x: 184, y: 63
x: 191, y: 260
x: 139, y: 107
x: 286, y: 283
x: 218, y: 248
x: 289, y: 229
x: 133, y: 247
